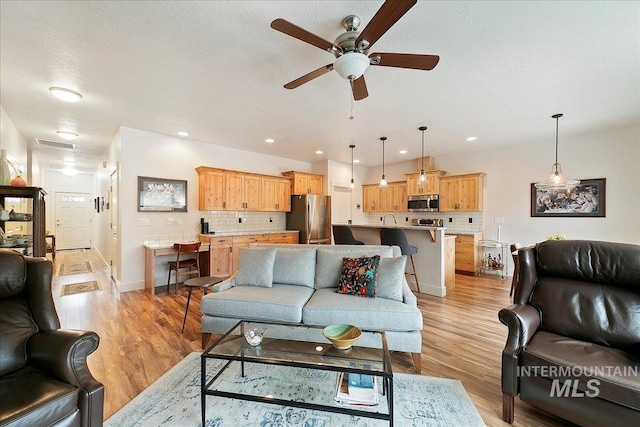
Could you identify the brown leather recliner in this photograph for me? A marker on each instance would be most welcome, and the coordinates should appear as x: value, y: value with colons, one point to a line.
x: 573, y: 347
x: 44, y: 378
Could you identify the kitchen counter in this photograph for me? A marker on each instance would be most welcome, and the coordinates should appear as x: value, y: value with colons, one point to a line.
x: 430, y: 259
x: 245, y: 233
x: 463, y: 233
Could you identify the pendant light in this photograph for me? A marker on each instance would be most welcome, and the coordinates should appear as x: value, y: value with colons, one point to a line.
x: 383, y: 180
x: 422, y: 179
x: 557, y: 181
x: 352, y: 185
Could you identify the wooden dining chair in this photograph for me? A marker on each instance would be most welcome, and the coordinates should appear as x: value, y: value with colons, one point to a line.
x: 516, y: 265
x: 184, y: 267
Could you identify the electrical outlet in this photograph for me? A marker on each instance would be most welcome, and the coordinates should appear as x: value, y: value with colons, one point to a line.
x: 179, y: 221
x: 499, y: 220
x: 144, y: 221
x: 270, y: 219
x: 239, y: 220
x: 406, y: 219
x: 170, y: 221
x: 380, y: 218
x: 450, y: 219
x: 470, y: 220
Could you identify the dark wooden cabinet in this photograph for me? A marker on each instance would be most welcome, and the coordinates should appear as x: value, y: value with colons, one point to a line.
x: 33, y: 218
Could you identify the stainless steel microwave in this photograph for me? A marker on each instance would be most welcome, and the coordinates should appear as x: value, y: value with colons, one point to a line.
x: 423, y: 203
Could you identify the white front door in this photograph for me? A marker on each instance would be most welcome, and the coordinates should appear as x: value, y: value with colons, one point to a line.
x: 73, y: 220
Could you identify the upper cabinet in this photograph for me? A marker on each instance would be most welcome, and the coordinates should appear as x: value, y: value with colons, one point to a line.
x: 305, y: 183
x: 221, y: 189
x: 461, y: 193
x: 390, y: 199
x: 275, y: 195
x: 431, y: 186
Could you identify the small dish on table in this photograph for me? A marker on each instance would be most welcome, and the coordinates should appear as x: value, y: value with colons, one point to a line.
x: 342, y: 336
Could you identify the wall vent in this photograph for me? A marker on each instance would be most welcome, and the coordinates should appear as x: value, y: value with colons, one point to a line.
x: 56, y: 144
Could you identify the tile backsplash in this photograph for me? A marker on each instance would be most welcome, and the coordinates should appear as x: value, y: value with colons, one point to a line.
x: 459, y: 220
x: 242, y: 221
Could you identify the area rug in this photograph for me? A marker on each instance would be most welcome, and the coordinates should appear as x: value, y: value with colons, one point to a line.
x: 75, y: 268
x: 80, y: 288
x: 174, y: 400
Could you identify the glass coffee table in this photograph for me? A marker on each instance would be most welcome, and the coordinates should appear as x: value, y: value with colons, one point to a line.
x: 298, y: 347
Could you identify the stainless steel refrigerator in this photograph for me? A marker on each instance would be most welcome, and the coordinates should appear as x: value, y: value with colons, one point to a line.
x: 311, y: 216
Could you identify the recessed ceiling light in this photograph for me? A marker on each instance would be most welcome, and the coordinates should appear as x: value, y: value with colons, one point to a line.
x: 356, y: 161
x: 69, y: 162
x: 183, y: 133
x: 472, y: 138
x: 319, y: 152
x: 67, y: 135
x: 66, y: 95
x: 403, y: 151
x: 269, y: 141
x: 70, y: 172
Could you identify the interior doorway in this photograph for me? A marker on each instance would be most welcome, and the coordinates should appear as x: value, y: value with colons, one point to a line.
x: 114, y: 227
x: 73, y: 220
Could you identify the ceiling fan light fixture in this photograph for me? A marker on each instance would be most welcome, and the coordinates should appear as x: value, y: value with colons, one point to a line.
x: 557, y: 181
x: 351, y: 65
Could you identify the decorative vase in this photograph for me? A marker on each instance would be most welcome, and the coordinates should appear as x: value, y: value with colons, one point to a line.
x: 5, y: 172
x: 18, y: 182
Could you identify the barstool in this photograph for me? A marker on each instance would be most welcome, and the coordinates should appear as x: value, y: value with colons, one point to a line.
x: 397, y: 237
x: 342, y: 235
x: 199, y: 282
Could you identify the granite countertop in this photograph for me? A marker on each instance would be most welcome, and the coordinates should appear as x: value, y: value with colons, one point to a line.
x: 404, y: 227
x: 463, y: 233
x: 246, y: 233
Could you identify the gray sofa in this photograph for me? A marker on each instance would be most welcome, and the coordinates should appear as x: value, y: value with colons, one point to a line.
x: 302, y: 286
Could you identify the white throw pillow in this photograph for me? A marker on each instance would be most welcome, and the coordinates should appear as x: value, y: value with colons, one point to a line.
x: 255, y: 267
x: 390, y: 277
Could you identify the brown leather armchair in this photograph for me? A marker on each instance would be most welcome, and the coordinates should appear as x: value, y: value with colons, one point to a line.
x: 44, y: 378
x: 573, y: 347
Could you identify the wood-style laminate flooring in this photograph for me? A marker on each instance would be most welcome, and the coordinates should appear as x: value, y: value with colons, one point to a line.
x: 140, y: 337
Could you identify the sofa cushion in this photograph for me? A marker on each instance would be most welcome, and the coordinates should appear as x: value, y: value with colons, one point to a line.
x: 359, y: 276
x: 295, y: 266
x: 255, y: 267
x: 280, y: 303
x: 329, y: 261
x: 390, y: 278
x: 326, y: 307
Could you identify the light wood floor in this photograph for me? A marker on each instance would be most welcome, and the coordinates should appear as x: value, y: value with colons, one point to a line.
x: 140, y: 337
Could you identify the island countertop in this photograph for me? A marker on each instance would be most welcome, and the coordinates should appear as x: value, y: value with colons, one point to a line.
x: 404, y: 227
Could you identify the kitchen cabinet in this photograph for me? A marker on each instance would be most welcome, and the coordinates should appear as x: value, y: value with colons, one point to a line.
x: 211, y: 189
x: 431, y: 186
x: 242, y: 191
x: 371, y: 198
x: 275, y: 194
x: 305, y: 183
x: 220, y: 256
x: 395, y: 197
x: 466, y: 254
x: 461, y: 193
x: 290, y: 237
x: 27, y: 225
x: 450, y: 262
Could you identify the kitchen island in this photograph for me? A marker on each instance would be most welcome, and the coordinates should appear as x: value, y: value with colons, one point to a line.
x: 430, y: 259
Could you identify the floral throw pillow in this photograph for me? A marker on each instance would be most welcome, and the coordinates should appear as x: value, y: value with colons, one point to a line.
x: 359, y: 276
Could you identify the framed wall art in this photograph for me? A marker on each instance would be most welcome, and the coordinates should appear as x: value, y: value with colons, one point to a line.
x: 586, y: 200
x: 161, y: 195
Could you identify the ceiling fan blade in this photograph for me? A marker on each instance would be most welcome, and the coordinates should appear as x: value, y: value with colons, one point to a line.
x: 301, y: 34
x: 407, y: 60
x: 385, y: 17
x: 308, y: 77
x: 359, y: 88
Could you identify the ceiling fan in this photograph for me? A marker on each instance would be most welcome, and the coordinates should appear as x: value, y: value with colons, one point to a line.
x: 351, y: 48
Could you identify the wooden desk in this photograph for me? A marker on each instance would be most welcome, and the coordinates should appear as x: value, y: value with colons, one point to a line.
x: 150, y: 254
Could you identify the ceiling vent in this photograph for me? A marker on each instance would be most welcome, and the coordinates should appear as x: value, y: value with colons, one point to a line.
x: 56, y: 144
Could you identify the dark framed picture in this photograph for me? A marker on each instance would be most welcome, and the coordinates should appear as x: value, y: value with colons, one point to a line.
x: 161, y: 195
x: 586, y: 200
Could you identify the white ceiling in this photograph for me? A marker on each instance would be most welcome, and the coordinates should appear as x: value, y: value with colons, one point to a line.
x: 216, y: 69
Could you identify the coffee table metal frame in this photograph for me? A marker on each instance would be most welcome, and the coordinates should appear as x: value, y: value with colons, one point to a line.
x: 248, y: 354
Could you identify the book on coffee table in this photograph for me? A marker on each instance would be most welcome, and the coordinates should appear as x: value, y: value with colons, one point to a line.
x: 357, y: 389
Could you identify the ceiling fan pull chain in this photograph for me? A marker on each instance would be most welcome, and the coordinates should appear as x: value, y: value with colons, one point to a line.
x: 351, y: 83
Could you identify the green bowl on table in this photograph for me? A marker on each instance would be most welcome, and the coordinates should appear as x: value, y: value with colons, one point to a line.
x: 342, y: 336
